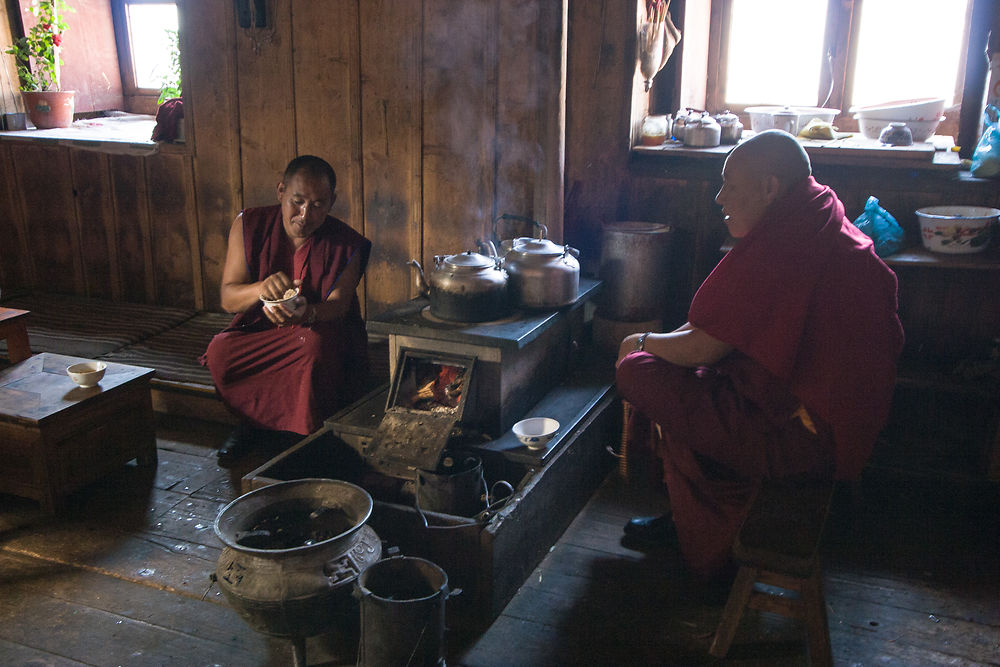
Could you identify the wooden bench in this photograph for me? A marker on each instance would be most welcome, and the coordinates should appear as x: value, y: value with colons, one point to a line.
x: 779, y: 570
x: 167, y: 339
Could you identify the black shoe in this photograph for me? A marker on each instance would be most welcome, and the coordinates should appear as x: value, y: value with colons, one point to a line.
x: 238, y: 444
x: 650, y: 531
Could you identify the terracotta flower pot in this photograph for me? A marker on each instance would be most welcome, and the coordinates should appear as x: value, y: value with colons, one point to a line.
x: 49, y: 108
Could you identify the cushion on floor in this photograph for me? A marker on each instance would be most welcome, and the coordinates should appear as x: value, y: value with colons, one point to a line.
x: 87, y: 327
x: 174, y: 353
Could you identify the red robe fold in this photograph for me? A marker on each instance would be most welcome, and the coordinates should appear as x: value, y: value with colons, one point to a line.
x: 292, y: 378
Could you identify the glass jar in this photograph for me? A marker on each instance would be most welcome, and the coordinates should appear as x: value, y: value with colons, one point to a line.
x: 654, y: 130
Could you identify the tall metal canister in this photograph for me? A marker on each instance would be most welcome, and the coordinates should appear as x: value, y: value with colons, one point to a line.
x: 635, y: 262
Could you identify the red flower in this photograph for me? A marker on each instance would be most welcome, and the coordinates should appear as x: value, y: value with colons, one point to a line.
x: 57, y: 39
x: 46, y: 27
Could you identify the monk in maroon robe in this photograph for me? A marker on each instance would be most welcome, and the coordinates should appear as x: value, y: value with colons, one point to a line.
x: 786, y: 365
x: 286, y: 367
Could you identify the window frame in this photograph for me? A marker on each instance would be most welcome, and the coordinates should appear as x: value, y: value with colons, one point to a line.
x: 136, y: 98
x: 841, y: 38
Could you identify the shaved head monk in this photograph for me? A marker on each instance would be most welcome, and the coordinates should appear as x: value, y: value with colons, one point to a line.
x: 284, y: 368
x: 785, y: 367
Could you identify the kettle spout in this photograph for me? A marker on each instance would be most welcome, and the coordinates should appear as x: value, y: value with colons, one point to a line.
x: 422, y: 285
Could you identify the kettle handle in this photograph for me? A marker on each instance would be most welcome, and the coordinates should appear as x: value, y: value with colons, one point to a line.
x: 519, y: 218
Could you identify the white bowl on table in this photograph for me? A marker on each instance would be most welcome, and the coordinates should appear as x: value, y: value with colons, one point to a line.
x: 536, y: 432
x: 957, y: 229
x: 88, y: 373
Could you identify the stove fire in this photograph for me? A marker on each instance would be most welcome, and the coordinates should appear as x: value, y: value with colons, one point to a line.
x: 442, y: 392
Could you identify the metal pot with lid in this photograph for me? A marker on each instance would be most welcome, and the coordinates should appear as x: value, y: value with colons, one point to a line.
x: 467, y: 287
x: 543, y: 274
x: 702, y: 132
x: 731, y: 127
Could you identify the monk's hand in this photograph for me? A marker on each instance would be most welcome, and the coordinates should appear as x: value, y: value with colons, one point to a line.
x: 275, y: 285
x: 627, y: 346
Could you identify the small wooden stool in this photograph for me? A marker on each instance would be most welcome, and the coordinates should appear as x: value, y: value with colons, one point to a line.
x: 777, y: 549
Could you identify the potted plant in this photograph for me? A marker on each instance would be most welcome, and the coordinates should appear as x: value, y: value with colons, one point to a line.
x: 37, y: 57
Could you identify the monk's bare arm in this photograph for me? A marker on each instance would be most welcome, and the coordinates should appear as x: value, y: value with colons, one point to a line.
x: 239, y: 292
x: 685, y: 346
x: 339, y: 301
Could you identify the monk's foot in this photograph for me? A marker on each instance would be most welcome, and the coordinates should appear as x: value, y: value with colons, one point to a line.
x: 650, y: 531
x: 239, y: 443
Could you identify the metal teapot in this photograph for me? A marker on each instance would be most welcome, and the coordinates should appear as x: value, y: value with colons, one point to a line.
x: 732, y: 128
x: 543, y: 274
x: 702, y: 132
x: 468, y: 287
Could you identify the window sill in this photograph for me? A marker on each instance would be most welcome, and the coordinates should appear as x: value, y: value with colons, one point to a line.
x: 935, y: 155
x: 129, y: 134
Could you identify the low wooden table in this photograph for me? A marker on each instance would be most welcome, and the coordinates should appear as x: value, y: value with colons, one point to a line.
x: 56, y: 437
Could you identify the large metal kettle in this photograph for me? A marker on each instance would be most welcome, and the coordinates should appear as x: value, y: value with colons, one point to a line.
x: 467, y: 287
x: 543, y: 274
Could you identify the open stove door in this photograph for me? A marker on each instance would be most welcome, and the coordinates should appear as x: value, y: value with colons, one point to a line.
x: 428, y: 395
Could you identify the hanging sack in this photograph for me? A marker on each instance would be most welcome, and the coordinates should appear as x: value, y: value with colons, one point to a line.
x: 986, y: 158
x: 883, y: 229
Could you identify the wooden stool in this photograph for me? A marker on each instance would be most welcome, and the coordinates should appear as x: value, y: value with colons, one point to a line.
x: 14, y: 329
x: 776, y: 550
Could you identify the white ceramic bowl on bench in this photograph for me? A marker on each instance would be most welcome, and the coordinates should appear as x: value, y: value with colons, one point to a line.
x: 88, y: 373
x: 536, y: 432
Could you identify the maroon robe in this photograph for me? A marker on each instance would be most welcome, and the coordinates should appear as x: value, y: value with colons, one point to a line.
x: 292, y: 378
x: 811, y: 312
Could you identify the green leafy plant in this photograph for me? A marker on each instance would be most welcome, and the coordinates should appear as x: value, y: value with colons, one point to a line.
x: 37, y: 53
x: 172, y: 79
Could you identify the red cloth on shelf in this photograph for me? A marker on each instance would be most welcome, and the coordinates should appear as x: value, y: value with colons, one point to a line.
x: 292, y: 378
x: 168, y: 120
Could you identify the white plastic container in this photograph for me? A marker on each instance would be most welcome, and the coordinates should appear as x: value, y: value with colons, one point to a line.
x: 762, y: 118
x: 957, y: 229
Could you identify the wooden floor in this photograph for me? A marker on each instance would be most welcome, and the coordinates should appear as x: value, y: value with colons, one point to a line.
x: 123, y: 578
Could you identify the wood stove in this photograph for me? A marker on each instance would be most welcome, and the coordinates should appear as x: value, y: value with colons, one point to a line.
x: 457, y: 388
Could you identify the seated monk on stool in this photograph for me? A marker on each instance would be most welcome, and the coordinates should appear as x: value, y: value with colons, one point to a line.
x: 288, y: 368
x: 786, y: 365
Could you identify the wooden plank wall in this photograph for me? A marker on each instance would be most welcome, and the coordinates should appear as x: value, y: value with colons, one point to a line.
x: 437, y: 116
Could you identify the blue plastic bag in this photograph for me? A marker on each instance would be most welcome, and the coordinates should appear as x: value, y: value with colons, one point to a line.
x: 986, y: 158
x: 883, y: 229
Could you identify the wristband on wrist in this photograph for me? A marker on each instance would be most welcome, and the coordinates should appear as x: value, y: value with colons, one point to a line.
x: 640, y: 342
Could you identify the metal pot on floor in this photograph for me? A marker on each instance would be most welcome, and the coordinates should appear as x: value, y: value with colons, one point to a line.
x: 293, y: 551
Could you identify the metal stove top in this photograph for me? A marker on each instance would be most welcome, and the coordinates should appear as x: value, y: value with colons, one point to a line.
x: 512, y: 332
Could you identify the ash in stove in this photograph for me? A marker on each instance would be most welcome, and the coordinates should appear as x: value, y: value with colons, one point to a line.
x: 293, y: 524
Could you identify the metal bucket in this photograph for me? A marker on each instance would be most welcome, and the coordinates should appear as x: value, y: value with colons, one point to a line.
x: 402, y: 612
x: 635, y: 260
x: 456, y: 487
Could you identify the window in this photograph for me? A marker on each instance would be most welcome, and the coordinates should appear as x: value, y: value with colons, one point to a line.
x: 146, y: 33
x: 835, y: 53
